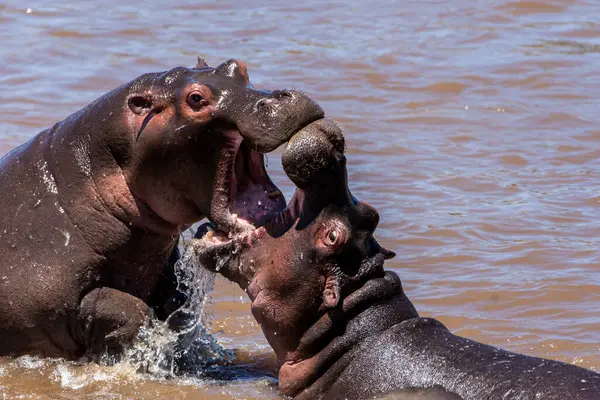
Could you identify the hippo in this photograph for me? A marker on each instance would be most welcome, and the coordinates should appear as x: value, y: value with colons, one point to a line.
x: 93, y: 208
x: 340, y: 325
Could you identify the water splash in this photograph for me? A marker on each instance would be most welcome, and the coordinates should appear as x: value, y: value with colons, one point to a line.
x: 183, y: 343
x: 181, y: 347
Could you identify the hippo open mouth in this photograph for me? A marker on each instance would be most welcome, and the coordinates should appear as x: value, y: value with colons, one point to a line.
x: 247, y: 198
x: 258, y: 206
x: 253, y: 123
x: 253, y: 197
x: 255, y: 203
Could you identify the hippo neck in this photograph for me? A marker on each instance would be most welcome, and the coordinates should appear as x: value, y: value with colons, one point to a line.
x: 375, y: 307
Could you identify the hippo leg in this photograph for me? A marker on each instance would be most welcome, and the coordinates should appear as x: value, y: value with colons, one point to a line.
x: 108, y: 318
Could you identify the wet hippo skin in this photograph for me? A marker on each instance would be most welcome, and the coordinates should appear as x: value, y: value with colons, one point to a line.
x: 340, y: 325
x: 93, y: 207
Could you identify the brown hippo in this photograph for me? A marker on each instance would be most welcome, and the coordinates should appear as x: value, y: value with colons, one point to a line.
x: 340, y: 325
x: 93, y: 207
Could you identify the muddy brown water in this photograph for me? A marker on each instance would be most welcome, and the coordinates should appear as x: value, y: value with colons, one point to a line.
x: 471, y: 125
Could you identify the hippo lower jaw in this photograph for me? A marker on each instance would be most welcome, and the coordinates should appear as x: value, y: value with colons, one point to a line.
x: 215, y: 247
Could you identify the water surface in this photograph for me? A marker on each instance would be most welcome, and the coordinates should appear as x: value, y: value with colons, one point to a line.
x: 471, y: 125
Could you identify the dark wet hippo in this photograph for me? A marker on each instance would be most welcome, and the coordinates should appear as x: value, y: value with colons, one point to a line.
x: 93, y: 207
x: 341, y: 326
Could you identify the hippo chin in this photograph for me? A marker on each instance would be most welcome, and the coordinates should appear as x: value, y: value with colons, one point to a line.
x: 340, y: 325
x: 93, y: 207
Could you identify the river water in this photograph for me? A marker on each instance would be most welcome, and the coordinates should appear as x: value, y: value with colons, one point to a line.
x: 471, y: 125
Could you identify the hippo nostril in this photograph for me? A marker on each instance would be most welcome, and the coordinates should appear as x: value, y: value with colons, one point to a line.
x: 263, y: 103
x: 282, y: 94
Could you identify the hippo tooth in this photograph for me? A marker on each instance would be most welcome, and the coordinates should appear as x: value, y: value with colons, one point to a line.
x: 209, y: 235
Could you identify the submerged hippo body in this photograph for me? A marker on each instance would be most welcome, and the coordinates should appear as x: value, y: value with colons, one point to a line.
x: 341, y: 326
x: 93, y: 207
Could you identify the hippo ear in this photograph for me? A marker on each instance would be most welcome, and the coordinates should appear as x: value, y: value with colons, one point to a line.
x: 201, y: 63
x: 331, y: 294
x: 387, y: 254
x: 233, y: 69
x: 140, y: 103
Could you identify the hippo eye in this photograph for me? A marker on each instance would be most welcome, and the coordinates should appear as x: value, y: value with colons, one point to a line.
x: 195, y: 100
x: 332, y: 237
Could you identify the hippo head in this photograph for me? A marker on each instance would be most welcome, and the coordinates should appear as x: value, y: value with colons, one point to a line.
x: 320, y: 248
x: 200, y: 135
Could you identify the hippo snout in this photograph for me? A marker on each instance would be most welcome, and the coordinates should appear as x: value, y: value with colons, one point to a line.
x: 274, y: 99
x: 315, y: 155
x: 263, y: 103
x: 265, y: 119
x: 276, y: 116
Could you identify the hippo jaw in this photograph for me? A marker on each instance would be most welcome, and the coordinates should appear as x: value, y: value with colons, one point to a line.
x: 313, y: 159
x: 247, y: 198
x: 215, y: 247
x: 260, y: 122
